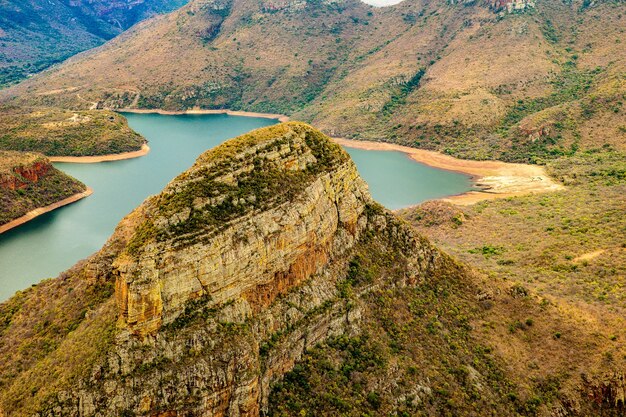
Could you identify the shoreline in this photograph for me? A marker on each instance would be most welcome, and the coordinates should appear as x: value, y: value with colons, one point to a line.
x: 280, y: 117
x: 495, y: 179
x: 145, y: 149
x: 43, y: 210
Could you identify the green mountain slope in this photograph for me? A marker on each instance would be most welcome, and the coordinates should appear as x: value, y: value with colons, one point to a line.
x: 469, y: 79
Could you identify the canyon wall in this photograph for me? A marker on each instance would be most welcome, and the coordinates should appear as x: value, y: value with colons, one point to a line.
x: 224, y: 280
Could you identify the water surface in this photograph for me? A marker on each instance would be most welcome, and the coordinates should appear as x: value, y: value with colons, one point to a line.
x: 397, y: 181
x: 55, y: 241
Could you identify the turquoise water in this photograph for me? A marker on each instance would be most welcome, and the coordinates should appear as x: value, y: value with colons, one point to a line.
x: 397, y: 181
x: 51, y: 243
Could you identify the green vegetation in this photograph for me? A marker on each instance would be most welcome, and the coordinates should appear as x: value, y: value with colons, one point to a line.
x: 538, y: 240
x: 572, y: 84
x: 413, y: 354
x: 55, y: 132
x: 70, y: 324
x: 398, y: 97
x: 569, y: 87
x: 260, y: 183
x: 34, y: 38
x: 564, y: 251
x: 15, y: 73
x: 450, y: 345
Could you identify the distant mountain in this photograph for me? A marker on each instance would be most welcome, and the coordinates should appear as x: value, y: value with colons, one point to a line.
x: 35, y: 34
x: 512, y: 80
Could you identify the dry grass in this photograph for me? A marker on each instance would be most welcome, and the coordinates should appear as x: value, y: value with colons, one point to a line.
x: 49, y: 335
x: 539, y: 246
x: 556, y: 71
x: 9, y: 160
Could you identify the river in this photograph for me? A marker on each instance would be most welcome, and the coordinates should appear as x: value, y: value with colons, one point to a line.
x: 53, y: 242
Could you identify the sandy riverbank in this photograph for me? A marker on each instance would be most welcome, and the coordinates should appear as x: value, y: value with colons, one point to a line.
x: 42, y: 210
x: 494, y: 178
x: 145, y: 149
x: 280, y: 117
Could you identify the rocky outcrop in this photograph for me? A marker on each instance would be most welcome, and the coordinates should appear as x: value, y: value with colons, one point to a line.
x: 507, y: 6
x: 608, y: 391
x: 24, y: 173
x: 226, y: 278
x: 271, y: 6
x: 511, y: 6
x: 270, y: 247
x: 30, y: 186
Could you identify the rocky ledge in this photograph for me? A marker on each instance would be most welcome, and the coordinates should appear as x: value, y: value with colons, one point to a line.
x: 17, y: 170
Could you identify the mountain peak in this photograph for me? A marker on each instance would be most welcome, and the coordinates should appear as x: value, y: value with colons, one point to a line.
x: 251, y: 218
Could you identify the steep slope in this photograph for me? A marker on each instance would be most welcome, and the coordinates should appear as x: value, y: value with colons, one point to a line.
x: 29, y: 181
x: 519, y: 81
x: 206, y: 260
x: 269, y: 246
x: 56, y: 132
x: 35, y: 34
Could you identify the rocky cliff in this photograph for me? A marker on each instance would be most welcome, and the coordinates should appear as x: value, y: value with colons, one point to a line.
x: 248, y: 225
x: 221, y: 283
x: 268, y: 258
x: 19, y: 175
x: 29, y: 181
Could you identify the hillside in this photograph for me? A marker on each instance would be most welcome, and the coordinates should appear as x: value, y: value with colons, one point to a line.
x: 35, y: 34
x: 56, y: 132
x: 269, y: 258
x: 480, y: 80
x: 28, y: 181
x: 265, y: 281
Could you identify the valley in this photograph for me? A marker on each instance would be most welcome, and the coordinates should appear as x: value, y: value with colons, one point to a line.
x: 270, y: 277
x: 37, y: 34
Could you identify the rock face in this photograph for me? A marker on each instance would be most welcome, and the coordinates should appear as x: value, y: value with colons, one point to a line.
x: 224, y: 280
x: 292, y: 5
x: 28, y: 181
x: 270, y: 247
x: 511, y: 6
x: 19, y: 176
